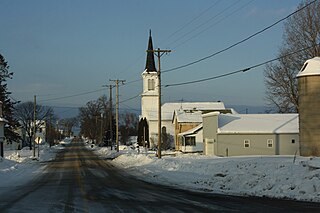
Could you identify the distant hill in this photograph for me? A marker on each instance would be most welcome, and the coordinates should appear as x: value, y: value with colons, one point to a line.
x: 66, y: 112
x: 243, y: 109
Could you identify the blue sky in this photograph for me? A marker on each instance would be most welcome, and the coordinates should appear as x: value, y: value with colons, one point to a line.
x: 67, y: 47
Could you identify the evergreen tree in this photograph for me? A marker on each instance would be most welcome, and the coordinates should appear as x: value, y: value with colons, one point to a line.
x: 8, y: 103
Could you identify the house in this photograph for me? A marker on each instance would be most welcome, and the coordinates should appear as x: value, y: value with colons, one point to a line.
x: 250, y: 134
x: 15, y: 145
x: 40, y: 134
x: 191, y: 140
x: 183, y: 121
x: 186, y: 118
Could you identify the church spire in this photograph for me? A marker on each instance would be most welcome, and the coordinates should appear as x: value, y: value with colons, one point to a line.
x: 150, y: 64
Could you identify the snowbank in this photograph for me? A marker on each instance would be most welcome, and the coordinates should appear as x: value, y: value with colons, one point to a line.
x: 18, y: 166
x: 271, y: 176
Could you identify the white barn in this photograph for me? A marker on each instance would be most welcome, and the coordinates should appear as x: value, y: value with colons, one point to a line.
x: 250, y: 134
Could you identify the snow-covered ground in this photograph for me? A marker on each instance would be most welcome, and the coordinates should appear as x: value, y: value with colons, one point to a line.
x: 271, y: 176
x: 18, y: 166
x: 284, y: 177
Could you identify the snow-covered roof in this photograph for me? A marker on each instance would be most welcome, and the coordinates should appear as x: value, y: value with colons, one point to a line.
x: 188, y: 116
x: 191, y: 131
x: 3, y: 120
x: 310, y: 67
x: 258, y: 123
x: 168, y: 109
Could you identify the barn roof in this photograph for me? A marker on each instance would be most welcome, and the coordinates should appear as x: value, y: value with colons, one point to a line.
x: 258, y: 123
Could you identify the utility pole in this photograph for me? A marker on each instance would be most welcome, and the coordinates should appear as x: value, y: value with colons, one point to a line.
x: 101, y: 128
x: 34, y: 125
x: 159, y: 53
x: 111, y: 116
x: 117, y: 110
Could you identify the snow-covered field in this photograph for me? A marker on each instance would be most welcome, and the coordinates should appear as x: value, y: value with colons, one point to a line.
x: 271, y: 176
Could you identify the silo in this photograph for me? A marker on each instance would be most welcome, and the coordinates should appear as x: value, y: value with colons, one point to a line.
x: 309, y: 107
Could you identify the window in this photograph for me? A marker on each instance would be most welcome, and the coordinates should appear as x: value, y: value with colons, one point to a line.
x: 293, y: 141
x: 150, y: 84
x: 269, y: 143
x: 190, y: 141
x: 304, y: 67
x: 246, y: 143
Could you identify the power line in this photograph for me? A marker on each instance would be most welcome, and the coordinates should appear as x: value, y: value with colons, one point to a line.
x: 129, y: 108
x: 130, y: 98
x: 198, y: 16
x: 204, y: 23
x: 130, y: 82
x: 239, y: 71
x: 14, y: 99
x: 70, y: 96
x: 217, y: 22
x: 239, y: 42
x: 192, y: 20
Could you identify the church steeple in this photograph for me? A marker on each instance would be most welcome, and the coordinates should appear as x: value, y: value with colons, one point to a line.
x: 150, y: 64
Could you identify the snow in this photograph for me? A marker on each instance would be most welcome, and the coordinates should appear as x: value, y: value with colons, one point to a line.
x: 258, y: 123
x: 187, y: 117
x: 284, y: 177
x: 167, y: 109
x: 310, y: 67
x: 18, y: 166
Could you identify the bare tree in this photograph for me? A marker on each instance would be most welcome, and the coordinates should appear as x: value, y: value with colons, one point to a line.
x: 301, y: 31
x: 24, y: 114
x: 128, y: 126
x: 68, y: 124
x: 94, y: 119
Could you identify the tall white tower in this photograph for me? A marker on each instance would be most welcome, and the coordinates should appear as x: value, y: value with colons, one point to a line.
x: 149, y: 96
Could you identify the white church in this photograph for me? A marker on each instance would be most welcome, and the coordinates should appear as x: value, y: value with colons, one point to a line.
x: 149, y: 107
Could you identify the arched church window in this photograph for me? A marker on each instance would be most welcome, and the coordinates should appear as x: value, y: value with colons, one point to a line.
x: 151, y: 84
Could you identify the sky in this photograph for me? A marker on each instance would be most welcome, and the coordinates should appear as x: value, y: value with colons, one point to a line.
x: 64, y: 51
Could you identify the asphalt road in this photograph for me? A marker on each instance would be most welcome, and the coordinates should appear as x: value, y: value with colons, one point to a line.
x: 79, y: 181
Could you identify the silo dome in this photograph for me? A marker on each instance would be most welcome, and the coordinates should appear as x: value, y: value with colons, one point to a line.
x: 309, y: 107
x: 310, y: 67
